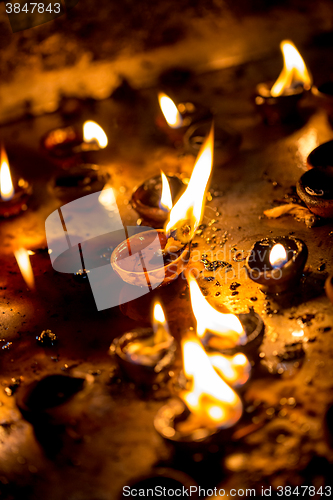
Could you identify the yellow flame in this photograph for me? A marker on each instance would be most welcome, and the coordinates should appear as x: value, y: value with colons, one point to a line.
x: 188, y: 210
x: 235, y: 370
x: 23, y: 261
x: 170, y: 111
x: 298, y: 333
x: 294, y: 71
x: 209, y: 398
x: 92, y: 132
x: 278, y: 255
x: 226, y: 326
x: 6, y: 184
x: 166, y: 198
x: 160, y: 325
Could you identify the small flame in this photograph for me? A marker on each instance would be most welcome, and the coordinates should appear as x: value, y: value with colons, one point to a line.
x: 278, y: 255
x: 6, y: 184
x: 294, y: 71
x: 92, y: 132
x: 187, y: 213
x: 166, y: 198
x: 298, y: 333
x: 23, y: 260
x: 235, y: 370
x: 160, y: 326
x: 170, y: 111
x: 226, y: 326
x: 211, y: 401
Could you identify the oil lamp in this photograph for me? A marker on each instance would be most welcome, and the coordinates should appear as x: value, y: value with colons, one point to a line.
x: 206, y: 407
x: 158, y: 257
x: 175, y: 119
x: 66, y: 146
x: 315, y: 188
x: 278, y: 103
x: 153, y: 200
x: 322, y: 157
x: 14, y: 194
x: 277, y: 263
x: 146, y: 354
x: 220, y: 330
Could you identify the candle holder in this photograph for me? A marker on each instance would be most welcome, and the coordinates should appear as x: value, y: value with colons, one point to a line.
x: 315, y: 188
x: 322, y: 158
x: 78, y: 181
x: 284, y: 276
x: 329, y: 288
x: 324, y: 96
x: 279, y: 109
x: 143, y: 369
x: 19, y: 201
x: 140, y: 260
x: 146, y: 198
x: 226, y: 141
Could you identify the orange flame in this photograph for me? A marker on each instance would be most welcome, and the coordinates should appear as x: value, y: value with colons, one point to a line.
x: 226, y: 326
x: 166, y: 197
x: 170, y: 111
x: 235, y: 370
x: 6, y: 184
x: 294, y: 71
x: 23, y: 260
x: 278, y: 255
x: 92, y: 132
x: 188, y: 211
x: 209, y: 398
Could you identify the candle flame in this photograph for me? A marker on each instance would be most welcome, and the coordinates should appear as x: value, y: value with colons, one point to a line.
x: 23, y: 261
x: 235, y: 370
x: 170, y: 111
x: 294, y: 71
x: 6, y: 184
x: 92, y: 132
x: 226, y: 326
x: 188, y: 211
x: 160, y: 325
x: 166, y: 197
x: 278, y: 255
x: 209, y: 398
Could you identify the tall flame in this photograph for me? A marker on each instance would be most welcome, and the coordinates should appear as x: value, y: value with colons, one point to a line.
x: 23, y: 261
x: 211, y: 401
x: 92, y: 132
x: 187, y: 213
x: 226, y: 326
x: 294, y: 71
x: 170, y: 111
x: 160, y: 325
x: 6, y: 184
x: 278, y: 255
x: 166, y: 197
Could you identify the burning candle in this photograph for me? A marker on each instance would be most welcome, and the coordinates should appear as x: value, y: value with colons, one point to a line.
x: 145, y: 355
x: 157, y: 257
x: 277, y: 263
x: 278, y: 102
x: 153, y: 200
x: 14, y: 194
x: 67, y: 145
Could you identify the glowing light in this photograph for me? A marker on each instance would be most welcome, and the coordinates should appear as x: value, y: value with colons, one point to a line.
x: 187, y: 212
x: 226, y: 326
x: 298, y: 333
x: 166, y: 198
x: 235, y: 370
x: 6, y: 184
x: 278, y: 255
x: 92, y: 132
x: 170, y: 111
x: 23, y: 261
x: 294, y: 72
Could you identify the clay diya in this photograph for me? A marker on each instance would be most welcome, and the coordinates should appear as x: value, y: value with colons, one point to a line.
x: 315, y: 188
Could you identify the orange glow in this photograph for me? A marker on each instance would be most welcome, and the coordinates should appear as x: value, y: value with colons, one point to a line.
x: 6, y: 184
x: 226, y: 326
x: 294, y: 71
x: 278, y: 255
x: 170, y: 111
x: 235, y: 370
x: 188, y: 211
x: 23, y: 260
x: 211, y: 401
x: 92, y: 132
x: 166, y: 198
